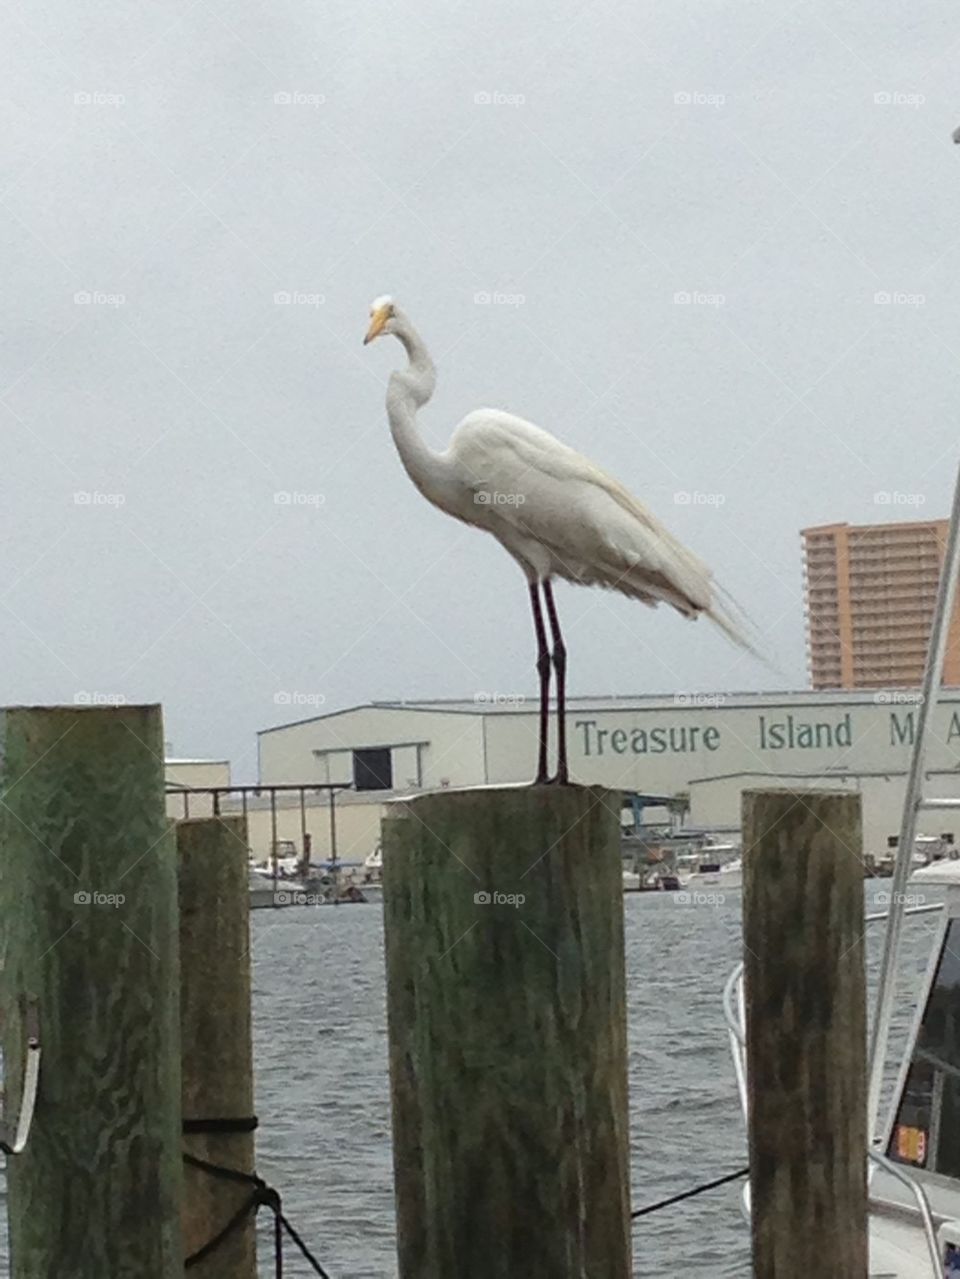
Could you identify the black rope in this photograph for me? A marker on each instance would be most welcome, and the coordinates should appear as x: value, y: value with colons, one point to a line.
x: 244, y: 1211
x: 688, y: 1194
x: 262, y: 1194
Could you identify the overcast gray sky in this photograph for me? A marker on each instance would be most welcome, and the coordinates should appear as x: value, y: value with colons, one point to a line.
x: 180, y: 166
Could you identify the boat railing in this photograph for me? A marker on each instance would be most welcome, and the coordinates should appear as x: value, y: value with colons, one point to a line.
x: 734, y: 1015
x: 898, y: 1172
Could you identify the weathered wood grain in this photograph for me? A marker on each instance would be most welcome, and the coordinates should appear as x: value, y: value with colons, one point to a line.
x: 215, y: 1024
x: 803, y: 921
x: 507, y: 1035
x: 97, y: 1192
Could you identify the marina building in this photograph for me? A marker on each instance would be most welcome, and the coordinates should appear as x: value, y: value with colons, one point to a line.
x: 870, y: 594
x: 193, y: 774
x: 706, y: 747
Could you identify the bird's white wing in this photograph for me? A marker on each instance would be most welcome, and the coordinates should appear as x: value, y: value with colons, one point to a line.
x: 595, y: 530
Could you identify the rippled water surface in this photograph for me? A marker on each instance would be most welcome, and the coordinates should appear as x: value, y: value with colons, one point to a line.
x: 323, y: 1096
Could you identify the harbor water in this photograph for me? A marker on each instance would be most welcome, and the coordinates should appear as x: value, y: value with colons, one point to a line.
x: 323, y: 1094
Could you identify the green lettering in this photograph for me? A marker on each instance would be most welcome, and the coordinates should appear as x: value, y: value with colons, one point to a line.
x: 586, y: 725
x: 902, y: 734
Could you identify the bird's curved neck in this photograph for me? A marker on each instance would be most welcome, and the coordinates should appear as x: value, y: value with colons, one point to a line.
x: 408, y: 390
x: 420, y: 374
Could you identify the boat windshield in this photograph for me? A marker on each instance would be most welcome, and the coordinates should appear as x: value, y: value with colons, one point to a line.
x: 926, y: 1132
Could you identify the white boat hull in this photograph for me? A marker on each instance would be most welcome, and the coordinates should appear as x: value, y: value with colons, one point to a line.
x: 729, y: 876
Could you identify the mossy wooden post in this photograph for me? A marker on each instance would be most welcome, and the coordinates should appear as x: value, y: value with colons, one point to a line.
x: 505, y: 999
x: 803, y: 928
x: 88, y: 910
x: 215, y: 1026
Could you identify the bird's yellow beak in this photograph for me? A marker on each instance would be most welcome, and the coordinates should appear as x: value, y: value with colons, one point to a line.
x: 377, y: 324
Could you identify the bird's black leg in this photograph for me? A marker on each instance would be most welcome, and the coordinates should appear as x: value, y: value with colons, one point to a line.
x: 560, y: 664
x: 543, y: 670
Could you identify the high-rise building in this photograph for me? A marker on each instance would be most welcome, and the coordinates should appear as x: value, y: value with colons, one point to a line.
x: 870, y: 592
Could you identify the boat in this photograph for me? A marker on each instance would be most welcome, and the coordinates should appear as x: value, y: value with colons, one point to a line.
x: 269, y: 890
x: 914, y: 1165
x: 370, y: 879
x: 945, y: 871
x: 335, y: 883
x: 654, y: 879
x: 920, y: 1139
x: 664, y: 857
x: 926, y: 849
x: 716, y: 864
x: 726, y: 875
x: 647, y: 848
x: 913, y: 1156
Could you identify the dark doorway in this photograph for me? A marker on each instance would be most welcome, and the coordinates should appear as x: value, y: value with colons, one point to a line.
x: 373, y: 769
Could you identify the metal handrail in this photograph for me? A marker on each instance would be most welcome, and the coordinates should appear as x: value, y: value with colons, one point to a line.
x: 923, y: 1204
x: 932, y: 909
x: 736, y: 1033
x: 932, y: 676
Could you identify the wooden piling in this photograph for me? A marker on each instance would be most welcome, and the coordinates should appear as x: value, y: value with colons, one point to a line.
x: 88, y: 904
x: 803, y: 923
x: 507, y: 1034
x: 216, y: 1032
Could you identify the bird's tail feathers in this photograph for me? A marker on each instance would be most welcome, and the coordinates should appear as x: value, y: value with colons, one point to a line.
x: 733, y: 620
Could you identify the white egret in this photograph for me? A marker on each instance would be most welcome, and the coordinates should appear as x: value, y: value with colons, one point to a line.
x: 554, y: 511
